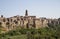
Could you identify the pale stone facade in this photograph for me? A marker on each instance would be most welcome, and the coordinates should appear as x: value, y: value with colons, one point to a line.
x: 24, y: 21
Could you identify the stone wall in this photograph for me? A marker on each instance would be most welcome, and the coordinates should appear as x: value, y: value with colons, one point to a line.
x: 26, y: 22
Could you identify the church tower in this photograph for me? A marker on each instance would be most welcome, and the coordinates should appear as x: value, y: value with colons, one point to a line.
x: 26, y: 13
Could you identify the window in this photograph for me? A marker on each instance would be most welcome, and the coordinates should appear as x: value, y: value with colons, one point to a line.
x: 4, y: 20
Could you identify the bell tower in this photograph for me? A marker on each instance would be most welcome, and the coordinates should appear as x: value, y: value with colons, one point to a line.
x: 26, y: 13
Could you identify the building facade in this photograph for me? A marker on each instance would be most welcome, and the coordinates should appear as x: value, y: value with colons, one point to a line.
x: 25, y: 22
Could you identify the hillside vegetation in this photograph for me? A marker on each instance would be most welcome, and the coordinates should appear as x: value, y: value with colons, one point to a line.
x: 51, y: 32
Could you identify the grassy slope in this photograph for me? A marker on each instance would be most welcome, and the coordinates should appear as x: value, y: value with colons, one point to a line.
x: 15, y: 37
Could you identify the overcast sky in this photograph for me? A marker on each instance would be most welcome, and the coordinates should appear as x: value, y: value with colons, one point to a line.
x: 39, y: 8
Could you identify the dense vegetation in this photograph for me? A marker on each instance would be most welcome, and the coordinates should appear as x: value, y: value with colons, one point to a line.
x: 51, y: 32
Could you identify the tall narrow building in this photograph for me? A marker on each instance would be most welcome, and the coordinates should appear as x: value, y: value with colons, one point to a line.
x: 26, y: 13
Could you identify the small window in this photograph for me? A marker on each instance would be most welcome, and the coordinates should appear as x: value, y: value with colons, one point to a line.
x: 7, y: 19
x: 21, y: 18
x: 15, y: 22
x: 4, y: 20
x: 7, y: 23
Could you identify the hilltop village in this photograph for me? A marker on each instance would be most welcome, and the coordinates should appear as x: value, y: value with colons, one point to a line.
x: 26, y: 22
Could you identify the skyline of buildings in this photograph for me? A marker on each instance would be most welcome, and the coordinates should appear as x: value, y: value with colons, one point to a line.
x: 39, y: 8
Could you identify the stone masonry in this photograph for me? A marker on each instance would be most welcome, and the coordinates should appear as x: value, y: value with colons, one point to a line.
x: 25, y: 22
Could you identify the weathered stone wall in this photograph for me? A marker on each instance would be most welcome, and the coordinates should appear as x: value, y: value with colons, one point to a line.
x: 22, y: 21
x: 26, y: 22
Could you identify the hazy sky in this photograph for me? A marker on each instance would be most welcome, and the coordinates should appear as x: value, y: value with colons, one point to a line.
x: 39, y: 8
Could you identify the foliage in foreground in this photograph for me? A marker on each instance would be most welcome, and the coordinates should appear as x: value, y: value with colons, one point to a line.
x: 52, y: 32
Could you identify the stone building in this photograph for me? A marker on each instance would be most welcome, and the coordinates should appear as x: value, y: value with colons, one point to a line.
x: 24, y: 22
